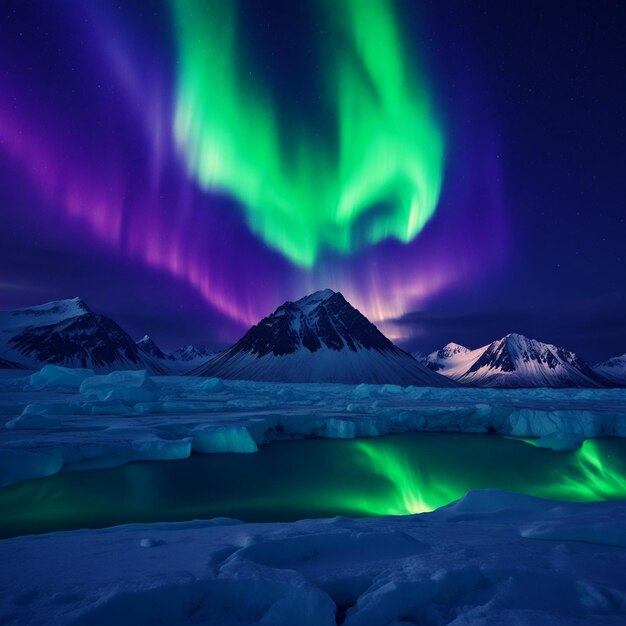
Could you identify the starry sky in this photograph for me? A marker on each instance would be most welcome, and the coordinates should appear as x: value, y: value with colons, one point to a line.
x: 455, y: 169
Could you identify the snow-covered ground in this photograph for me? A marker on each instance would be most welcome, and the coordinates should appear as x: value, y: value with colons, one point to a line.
x: 490, y: 558
x: 60, y: 419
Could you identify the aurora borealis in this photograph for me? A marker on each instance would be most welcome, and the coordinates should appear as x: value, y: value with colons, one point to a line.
x: 191, y: 164
x: 307, y: 194
x: 187, y: 167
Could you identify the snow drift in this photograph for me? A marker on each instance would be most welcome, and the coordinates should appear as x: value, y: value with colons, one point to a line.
x: 490, y: 558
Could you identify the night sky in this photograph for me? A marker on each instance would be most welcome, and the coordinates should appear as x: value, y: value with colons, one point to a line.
x: 456, y: 169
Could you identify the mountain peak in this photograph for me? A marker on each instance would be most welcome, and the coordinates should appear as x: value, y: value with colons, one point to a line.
x: 517, y: 360
x: 66, y: 332
x: 516, y: 338
x: 323, y: 320
x: 439, y: 359
x: 319, y: 338
x: 516, y: 342
x: 316, y: 296
x: 78, y: 302
x: 70, y: 307
x: 524, y: 346
x: 455, y: 348
x: 315, y: 299
x: 190, y: 353
x: 149, y: 346
x: 42, y: 314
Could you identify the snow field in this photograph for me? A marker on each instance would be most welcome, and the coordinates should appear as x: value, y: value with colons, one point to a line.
x: 489, y: 558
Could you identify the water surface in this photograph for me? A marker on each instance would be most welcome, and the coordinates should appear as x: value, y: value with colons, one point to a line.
x: 286, y: 481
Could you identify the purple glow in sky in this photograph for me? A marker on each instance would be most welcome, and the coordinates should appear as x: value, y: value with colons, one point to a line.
x: 87, y: 132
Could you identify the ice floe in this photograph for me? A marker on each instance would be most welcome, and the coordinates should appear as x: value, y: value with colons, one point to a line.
x: 92, y: 420
x: 56, y: 377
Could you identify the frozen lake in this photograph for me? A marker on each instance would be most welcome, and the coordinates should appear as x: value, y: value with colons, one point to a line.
x: 314, y: 478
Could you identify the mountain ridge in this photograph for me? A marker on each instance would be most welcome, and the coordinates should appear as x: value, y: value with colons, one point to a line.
x: 67, y: 332
x: 514, y: 361
x: 318, y: 338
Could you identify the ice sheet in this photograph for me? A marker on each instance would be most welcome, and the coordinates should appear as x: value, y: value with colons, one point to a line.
x: 108, y: 419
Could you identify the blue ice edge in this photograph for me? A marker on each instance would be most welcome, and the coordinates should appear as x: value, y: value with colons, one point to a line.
x: 69, y: 419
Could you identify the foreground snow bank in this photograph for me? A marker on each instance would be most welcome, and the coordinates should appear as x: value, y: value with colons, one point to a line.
x: 489, y: 558
x: 79, y: 420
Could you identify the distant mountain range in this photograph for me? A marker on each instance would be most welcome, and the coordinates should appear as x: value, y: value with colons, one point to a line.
x: 178, y: 361
x: 191, y: 353
x: 69, y: 333
x: 514, y: 361
x: 319, y: 338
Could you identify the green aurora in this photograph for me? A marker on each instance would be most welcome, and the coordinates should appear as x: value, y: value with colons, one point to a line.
x: 597, y: 471
x: 286, y: 481
x: 378, y: 177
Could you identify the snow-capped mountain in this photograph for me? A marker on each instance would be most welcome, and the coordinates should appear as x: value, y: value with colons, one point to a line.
x: 184, y: 359
x: 614, y: 369
x: 441, y: 359
x: 319, y: 338
x: 67, y: 332
x: 148, y: 346
x: 177, y: 362
x: 191, y: 353
x: 514, y: 361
